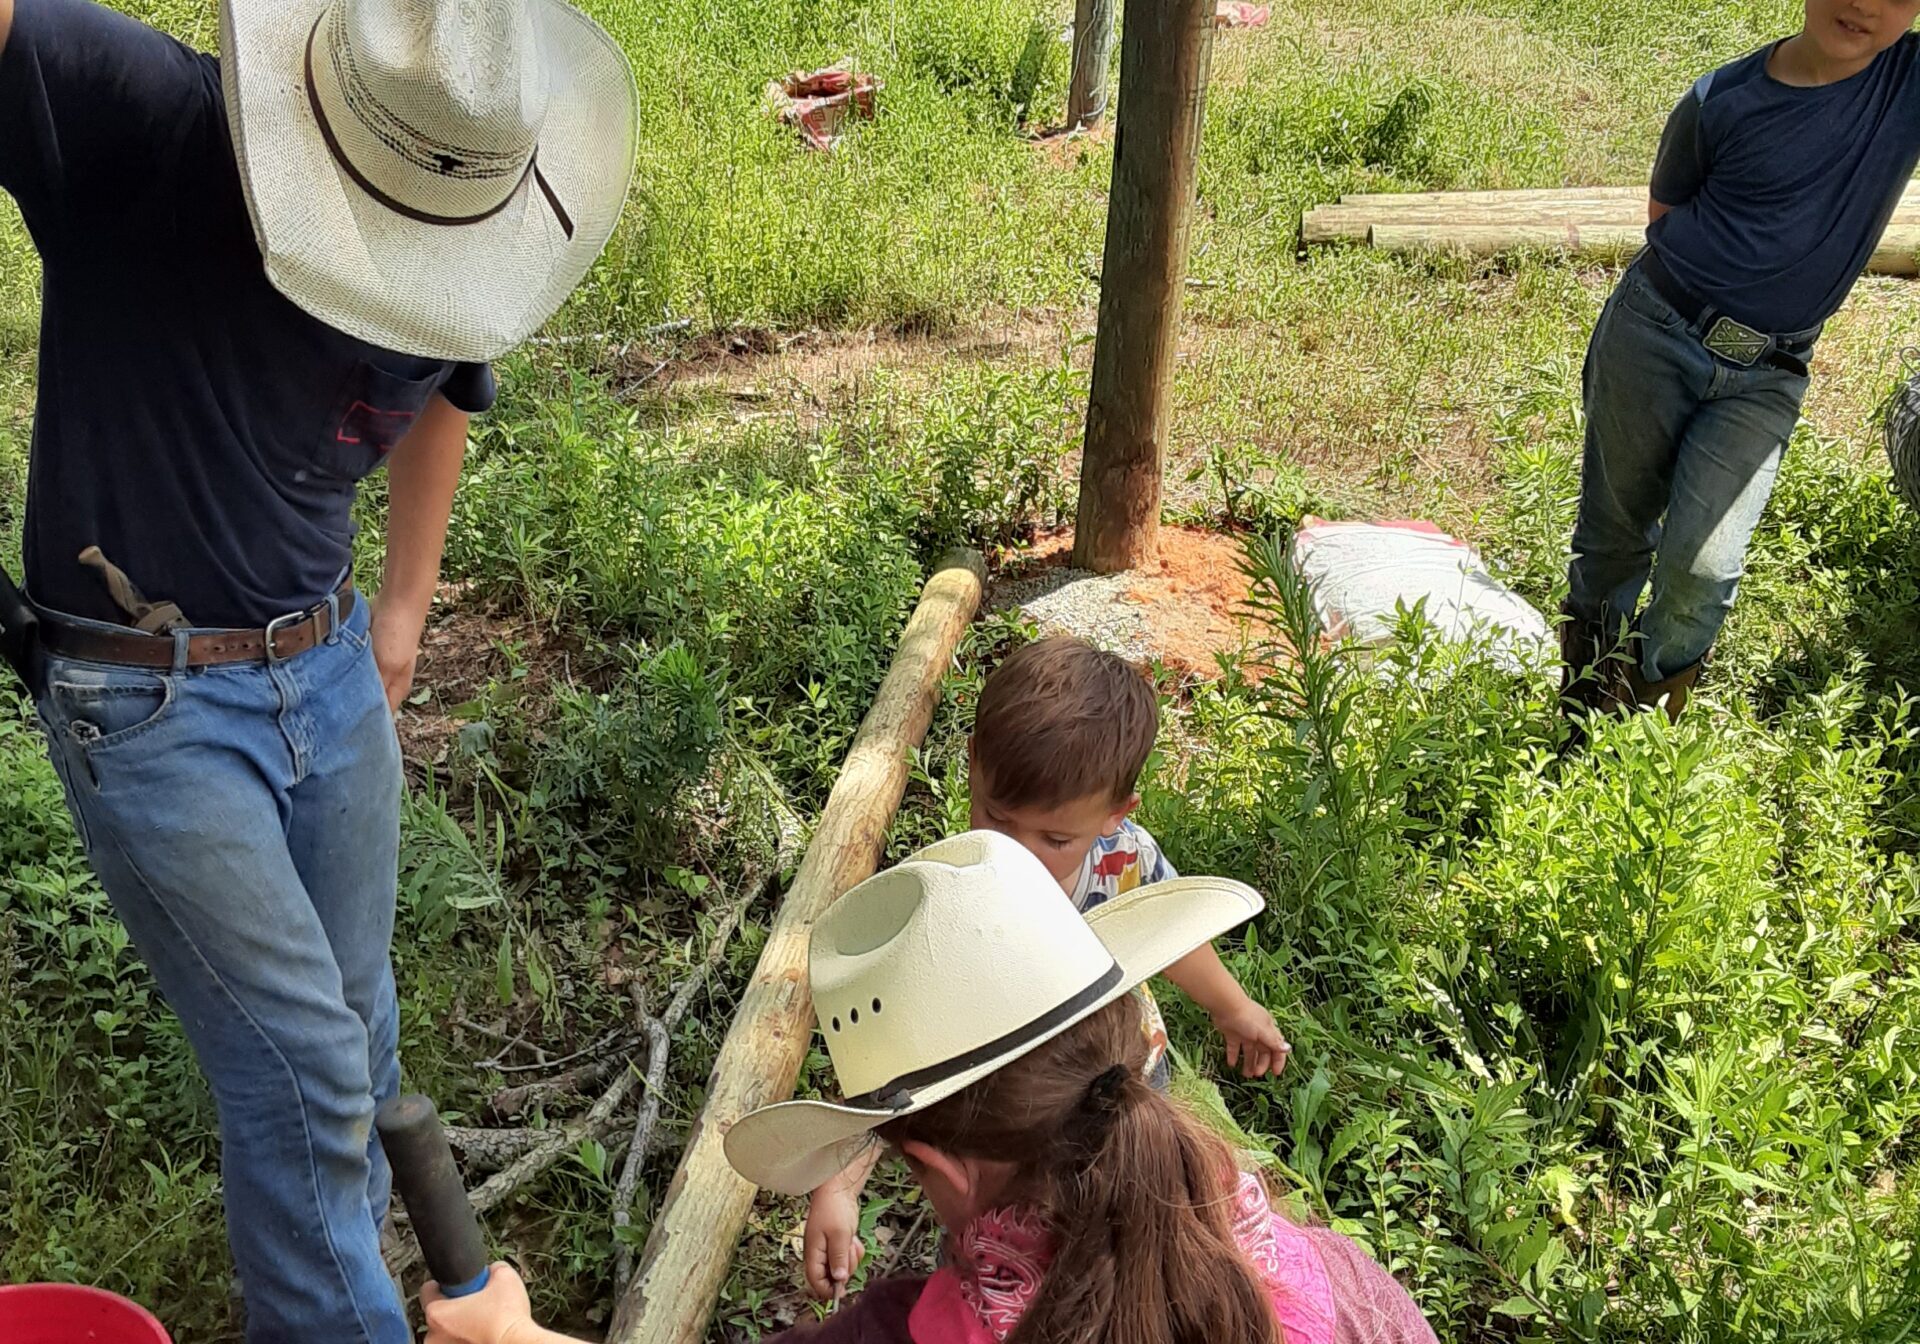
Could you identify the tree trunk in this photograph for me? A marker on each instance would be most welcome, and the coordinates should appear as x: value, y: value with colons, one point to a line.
x: 690, y: 1250
x: 1165, y: 48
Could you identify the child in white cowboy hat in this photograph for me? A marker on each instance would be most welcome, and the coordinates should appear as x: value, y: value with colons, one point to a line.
x: 1061, y: 734
x: 267, y: 276
x: 989, y: 1037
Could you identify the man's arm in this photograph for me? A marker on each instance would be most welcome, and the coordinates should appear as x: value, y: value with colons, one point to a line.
x: 421, y: 476
x: 6, y: 23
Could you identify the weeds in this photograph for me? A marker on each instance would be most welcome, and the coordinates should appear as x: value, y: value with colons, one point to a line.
x: 1589, y: 1039
x: 1612, y: 1048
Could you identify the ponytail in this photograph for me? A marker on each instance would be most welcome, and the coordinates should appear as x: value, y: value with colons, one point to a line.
x: 1137, y: 1194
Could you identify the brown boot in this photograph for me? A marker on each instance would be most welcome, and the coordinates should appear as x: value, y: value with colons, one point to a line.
x: 1674, y: 691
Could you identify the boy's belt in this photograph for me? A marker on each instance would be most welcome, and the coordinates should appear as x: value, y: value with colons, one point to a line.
x: 1733, y: 341
x: 280, y: 639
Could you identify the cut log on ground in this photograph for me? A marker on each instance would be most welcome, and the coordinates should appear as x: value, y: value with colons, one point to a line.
x: 690, y: 1249
x: 1590, y: 221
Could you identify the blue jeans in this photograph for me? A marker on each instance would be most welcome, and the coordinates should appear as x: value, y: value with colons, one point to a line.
x: 244, y: 821
x: 1681, y: 454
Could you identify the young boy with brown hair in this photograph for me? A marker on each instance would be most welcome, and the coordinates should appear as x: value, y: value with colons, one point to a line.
x: 1060, y: 736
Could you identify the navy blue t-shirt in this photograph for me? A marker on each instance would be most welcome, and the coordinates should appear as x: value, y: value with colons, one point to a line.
x: 1780, y: 194
x: 203, y: 431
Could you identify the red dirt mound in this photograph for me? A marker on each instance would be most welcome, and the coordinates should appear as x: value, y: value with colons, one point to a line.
x: 1181, y: 610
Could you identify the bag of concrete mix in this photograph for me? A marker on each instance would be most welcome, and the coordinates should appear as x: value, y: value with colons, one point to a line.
x: 1361, y: 573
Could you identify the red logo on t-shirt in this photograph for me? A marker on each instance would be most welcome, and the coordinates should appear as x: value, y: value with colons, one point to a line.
x: 1112, y: 865
x: 370, y: 424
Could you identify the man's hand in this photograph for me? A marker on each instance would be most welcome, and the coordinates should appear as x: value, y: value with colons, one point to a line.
x: 395, y: 636
x: 497, y: 1314
x: 1254, y: 1042
x: 831, y: 1245
x: 6, y: 22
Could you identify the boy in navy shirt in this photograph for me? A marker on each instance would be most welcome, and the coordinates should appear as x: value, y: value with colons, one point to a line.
x: 1775, y: 178
x: 265, y: 278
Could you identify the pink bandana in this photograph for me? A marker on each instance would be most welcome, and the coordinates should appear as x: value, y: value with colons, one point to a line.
x: 1001, y: 1258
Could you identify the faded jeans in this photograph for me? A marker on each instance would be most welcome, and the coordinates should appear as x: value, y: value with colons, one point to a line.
x: 1681, y: 454
x: 244, y: 821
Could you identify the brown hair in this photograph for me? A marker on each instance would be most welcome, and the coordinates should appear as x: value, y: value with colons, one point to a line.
x: 1135, y: 1191
x: 1060, y: 720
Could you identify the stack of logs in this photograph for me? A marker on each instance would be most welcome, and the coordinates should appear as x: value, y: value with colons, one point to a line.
x: 1594, y: 221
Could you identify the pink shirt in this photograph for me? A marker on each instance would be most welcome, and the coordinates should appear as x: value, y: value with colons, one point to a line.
x: 1000, y: 1260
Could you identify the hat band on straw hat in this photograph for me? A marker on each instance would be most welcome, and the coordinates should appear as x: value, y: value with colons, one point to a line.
x: 897, y: 1095
x: 473, y: 167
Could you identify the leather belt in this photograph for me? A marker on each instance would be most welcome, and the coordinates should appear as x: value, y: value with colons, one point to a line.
x: 1735, y: 342
x: 282, y: 638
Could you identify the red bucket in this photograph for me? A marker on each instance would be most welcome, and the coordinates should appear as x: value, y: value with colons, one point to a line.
x: 65, y: 1313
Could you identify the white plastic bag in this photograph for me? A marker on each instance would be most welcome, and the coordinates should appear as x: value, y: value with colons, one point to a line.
x: 1359, y: 573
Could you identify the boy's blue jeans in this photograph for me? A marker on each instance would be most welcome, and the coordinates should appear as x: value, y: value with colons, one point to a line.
x: 244, y: 820
x: 1681, y: 454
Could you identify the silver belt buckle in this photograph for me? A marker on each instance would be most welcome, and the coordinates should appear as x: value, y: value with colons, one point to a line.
x: 1736, y: 342
x: 277, y: 624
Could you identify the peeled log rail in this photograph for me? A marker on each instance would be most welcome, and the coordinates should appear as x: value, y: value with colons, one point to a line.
x: 1582, y: 220
x: 690, y: 1250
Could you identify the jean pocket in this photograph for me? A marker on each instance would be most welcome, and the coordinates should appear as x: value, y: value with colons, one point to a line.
x: 1639, y: 298
x: 356, y: 631
x: 97, y: 708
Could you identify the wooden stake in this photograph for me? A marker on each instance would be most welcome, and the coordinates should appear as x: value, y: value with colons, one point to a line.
x: 1165, y: 49
x: 1092, y: 58
x: 691, y: 1248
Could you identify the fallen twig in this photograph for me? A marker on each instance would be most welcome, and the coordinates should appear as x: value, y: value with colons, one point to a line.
x: 902, y: 1246
x: 510, y: 1102
x: 659, y: 1045
x: 660, y: 1041
x: 598, y: 1047
x: 527, y: 1158
x: 554, y: 1144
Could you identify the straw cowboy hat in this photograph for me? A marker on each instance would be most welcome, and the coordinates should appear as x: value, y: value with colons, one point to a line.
x: 431, y: 176
x: 933, y: 974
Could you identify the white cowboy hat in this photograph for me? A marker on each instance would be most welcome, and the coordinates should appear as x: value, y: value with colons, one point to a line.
x: 431, y: 176
x: 931, y: 975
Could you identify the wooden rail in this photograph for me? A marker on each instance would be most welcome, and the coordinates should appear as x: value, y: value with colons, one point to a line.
x: 690, y: 1250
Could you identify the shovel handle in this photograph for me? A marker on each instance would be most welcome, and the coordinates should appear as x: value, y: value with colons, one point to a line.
x: 431, y: 1188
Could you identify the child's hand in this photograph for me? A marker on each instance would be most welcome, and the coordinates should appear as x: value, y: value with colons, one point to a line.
x: 497, y: 1314
x: 831, y: 1245
x: 1253, y: 1038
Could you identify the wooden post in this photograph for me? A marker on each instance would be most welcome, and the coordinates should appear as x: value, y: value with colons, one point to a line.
x: 1092, y: 58
x: 690, y: 1250
x: 1165, y: 49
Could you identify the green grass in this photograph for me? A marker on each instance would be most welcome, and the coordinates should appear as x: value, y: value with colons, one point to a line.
x: 1617, y: 1048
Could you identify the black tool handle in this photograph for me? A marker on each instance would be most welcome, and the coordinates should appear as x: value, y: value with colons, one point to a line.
x: 430, y: 1187
x: 20, y: 635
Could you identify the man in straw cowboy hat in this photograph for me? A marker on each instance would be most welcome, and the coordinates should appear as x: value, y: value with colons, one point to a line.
x: 986, y: 1033
x: 265, y: 277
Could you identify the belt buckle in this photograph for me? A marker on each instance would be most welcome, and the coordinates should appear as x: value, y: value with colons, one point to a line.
x: 278, y: 623
x: 1736, y: 342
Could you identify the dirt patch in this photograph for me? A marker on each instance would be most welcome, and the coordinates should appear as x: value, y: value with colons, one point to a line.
x: 752, y: 364
x: 1182, y: 610
x: 467, y: 646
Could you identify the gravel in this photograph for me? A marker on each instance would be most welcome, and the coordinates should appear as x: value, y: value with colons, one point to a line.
x: 1096, y: 607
